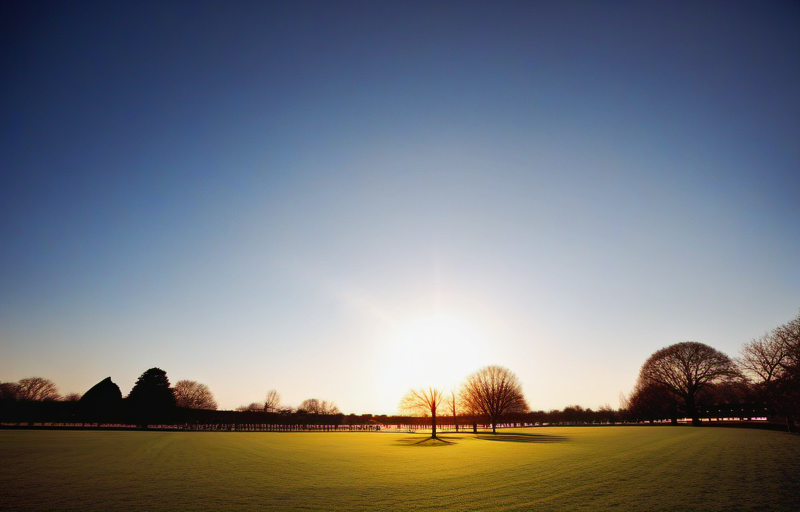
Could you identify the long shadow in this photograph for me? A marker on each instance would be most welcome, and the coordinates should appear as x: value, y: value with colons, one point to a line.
x: 523, y: 438
x: 509, y: 438
x: 428, y: 441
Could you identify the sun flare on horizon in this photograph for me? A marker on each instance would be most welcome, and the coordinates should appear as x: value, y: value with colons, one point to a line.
x: 437, y: 350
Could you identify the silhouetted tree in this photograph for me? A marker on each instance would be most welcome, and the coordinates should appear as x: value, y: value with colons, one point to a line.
x: 606, y: 414
x: 273, y: 401
x: 771, y: 364
x: 316, y: 406
x: 72, y: 397
x: 330, y: 408
x: 453, y: 405
x: 727, y: 398
x: 423, y: 401
x: 151, y: 398
x: 494, y: 391
x: 651, y: 402
x: 153, y: 387
x: 685, y: 369
x: 789, y: 381
x: 252, y: 407
x: 470, y: 409
x: 308, y: 406
x: 9, y: 391
x: 728, y: 391
x: 763, y: 359
x: 102, y: 402
x: 37, y: 389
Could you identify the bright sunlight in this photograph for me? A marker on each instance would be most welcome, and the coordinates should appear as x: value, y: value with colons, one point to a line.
x: 433, y: 350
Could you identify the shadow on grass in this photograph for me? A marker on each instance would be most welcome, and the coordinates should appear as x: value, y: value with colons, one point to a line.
x: 428, y: 441
x: 509, y: 438
x: 522, y: 438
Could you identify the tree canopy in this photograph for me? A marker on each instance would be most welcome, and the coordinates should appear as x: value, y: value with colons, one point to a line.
x: 686, y: 368
x: 772, y: 363
x: 493, y: 391
x: 272, y: 403
x: 317, y: 406
x: 193, y: 395
x: 152, y: 391
x: 423, y: 401
x: 37, y: 389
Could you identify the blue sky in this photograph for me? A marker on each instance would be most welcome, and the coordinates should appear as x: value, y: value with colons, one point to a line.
x: 306, y: 196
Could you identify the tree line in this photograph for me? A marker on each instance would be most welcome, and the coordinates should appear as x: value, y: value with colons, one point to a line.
x: 681, y: 380
x: 152, y: 400
x: 684, y: 380
x: 272, y: 404
x: 487, y: 395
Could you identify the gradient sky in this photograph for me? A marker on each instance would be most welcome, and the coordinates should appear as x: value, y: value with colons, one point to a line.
x: 341, y: 200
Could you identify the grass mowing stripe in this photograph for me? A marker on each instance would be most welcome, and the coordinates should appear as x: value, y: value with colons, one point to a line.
x: 582, y: 468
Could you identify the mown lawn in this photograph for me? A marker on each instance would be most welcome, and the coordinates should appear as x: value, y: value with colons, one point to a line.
x: 581, y: 468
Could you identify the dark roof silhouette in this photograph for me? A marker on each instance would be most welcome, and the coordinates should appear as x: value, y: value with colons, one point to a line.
x: 104, y: 392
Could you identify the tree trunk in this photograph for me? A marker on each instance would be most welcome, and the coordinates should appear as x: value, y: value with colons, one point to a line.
x: 494, y: 426
x: 673, y: 414
x: 433, y: 420
x: 691, y: 410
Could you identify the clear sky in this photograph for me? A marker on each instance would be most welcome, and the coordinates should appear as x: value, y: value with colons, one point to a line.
x: 342, y: 200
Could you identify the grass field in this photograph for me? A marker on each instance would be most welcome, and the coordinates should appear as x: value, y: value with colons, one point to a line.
x: 580, y: 468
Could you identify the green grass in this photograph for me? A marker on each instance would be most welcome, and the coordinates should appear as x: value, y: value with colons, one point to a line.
x: 582, y: 468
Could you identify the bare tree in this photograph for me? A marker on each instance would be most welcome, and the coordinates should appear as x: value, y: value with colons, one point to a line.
x: 789, y: 334
x: 72, y: 397
x: 453, y: 404
x: 37, y: 389
x: 494, y: 391
x: 772, y: 363
x: 273, y: 401
x: 252, y: 407
x: 9, y: 391
x: 606, y: 414
x: 685, y: 369
x: 423, y: 401
x: 473, y: 412
x: 193, y: 395
x: 651, y: 402
x: 316, y: 406
x: 330, y: 408
x: 763, y: 359
x: 309, y: 406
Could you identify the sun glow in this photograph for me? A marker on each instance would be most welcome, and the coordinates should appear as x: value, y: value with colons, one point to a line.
x: 434, y: 350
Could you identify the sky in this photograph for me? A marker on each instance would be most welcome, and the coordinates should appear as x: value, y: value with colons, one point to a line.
x: 344, y: 200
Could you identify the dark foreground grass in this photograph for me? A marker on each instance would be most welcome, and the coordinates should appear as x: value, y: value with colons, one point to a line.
x: 602, y: 468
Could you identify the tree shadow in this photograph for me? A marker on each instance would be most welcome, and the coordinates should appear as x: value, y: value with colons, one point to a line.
x: 428, y: 441
x: 509, y: 438
x: 523, y: 438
